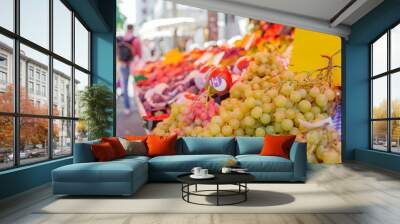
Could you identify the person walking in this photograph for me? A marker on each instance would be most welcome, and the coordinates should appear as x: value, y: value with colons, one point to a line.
x: 129, y: 50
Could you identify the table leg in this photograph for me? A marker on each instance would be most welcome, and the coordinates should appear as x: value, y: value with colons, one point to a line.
x: 195, y: 188
x: 217, y: 194
x: 245, y: 193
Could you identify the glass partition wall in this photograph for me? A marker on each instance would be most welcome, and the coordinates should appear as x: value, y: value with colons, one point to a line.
x: 44, y: 64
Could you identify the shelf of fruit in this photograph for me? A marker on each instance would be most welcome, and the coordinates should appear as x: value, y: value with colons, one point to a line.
x: 244, y: 90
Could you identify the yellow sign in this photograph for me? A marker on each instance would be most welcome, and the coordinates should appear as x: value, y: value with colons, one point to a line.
x: 308, y: 49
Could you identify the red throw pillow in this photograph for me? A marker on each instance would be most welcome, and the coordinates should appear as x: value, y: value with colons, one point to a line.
x: 135, y: 137
x: 116, y: 145
x: 103, y: 152
x: 277, y: 145
x: 161, y: 145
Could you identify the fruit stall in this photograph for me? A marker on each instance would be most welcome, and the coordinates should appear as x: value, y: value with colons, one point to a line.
x: 249, y: 88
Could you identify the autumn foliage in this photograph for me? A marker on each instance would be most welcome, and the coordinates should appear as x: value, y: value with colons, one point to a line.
x: 33, y: 131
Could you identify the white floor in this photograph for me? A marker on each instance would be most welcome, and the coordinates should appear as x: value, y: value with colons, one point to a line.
x: 376, y: 189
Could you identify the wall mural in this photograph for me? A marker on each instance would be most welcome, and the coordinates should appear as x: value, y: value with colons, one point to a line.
x: 274, y: 79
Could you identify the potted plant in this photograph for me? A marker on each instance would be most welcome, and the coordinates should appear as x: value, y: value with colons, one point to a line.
x: 96, y: 103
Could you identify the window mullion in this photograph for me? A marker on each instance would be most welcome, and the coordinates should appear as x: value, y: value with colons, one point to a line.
x: 389, y: 104
x: 73, y: 81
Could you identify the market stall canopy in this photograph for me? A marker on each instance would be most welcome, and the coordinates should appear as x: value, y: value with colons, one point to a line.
x: 327, y: 16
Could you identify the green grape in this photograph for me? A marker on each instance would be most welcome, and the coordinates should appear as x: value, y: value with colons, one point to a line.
x: 314, y: 91
x: 249, y: 131
x: 295, y: 96
x: 256, y: 112
x: 278, y: 127
x: 330, y: 94
x: 321, y: 100
x: 249, y: 121
x: 260, y: 132
x: 280, y: 101
x: 294, y: 131
x: 313, y: 137
x: 234, y: 123
x: 302, y: 92
x: 279, y: 116
x: 272, y: 93
x: 268, y: 107
x: 265, y: 118
x: 286, y: 89
x: 239, y: 132
x: 309, y: 116
x: 290, y: 113
x: 217, y: 120
x: 304, y: 106
x: 250, y: 102
x: 287, y: 124
x: 258, y: 94
x: 266, y: 99
x: 214, y: 129
x: 316, y: 110
x: 270, y: 130
x: 227, y: 130
x: 237, y: 114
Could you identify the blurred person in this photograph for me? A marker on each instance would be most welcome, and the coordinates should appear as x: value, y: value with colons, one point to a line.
x: 129, y: 51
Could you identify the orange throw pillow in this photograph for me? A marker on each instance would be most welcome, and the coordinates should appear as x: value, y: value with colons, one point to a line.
x: 103, y: 152
x: 135, y: 137
x: 116, y: 145
x: 161, y: 145
x: 277, y: 145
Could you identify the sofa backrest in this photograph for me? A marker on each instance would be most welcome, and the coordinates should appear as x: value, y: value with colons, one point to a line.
x: 206, y: 145
x: 249, y: 145
x: 83, y: 153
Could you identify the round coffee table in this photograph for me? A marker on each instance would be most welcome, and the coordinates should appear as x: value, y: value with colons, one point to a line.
x: 238, y: 179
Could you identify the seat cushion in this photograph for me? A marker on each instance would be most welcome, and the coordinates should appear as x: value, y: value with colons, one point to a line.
x: 249, y: 145
x: 112, y: 171
x: 257, y: 163
x: 206, y: 145
x: 185, y: 163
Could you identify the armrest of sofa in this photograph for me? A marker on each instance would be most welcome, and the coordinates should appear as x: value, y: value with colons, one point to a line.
x: 298, y: 155
x: 83, y: 152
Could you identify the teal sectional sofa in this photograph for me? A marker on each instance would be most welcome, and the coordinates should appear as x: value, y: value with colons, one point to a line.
x: 125, y: 176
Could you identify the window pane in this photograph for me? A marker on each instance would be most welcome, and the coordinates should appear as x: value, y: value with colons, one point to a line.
x: 81, y: 131
x: 6, y: 74
x: 62, y: 138
x: 379, y: 97
x: 35, y: 21
x: 81, y: 81
x: 7, y: 14
x: 395, y: 94
x: 34, y: 72
x: 379, y: 135
x: 395, y: 136
x: 395, y: 47
x: 6, y: 142
x: 62, y: 89
x: 62, y: 29
x: 81, y: 45
x: 33, y: 140
x: 379, y: 56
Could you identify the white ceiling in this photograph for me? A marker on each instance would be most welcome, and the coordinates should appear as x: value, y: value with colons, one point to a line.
x: 328, y: 16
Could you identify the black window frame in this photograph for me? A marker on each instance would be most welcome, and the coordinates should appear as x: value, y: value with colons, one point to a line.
x: 388, y: 74
x: 16, y: 115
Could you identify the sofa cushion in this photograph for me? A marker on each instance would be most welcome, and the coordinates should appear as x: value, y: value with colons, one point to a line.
x: 112, y: 171
x: 103, y: 152
x: 249, y: 145
x: 161, y: 145
x: 185, y: 163
x: 207, y: 145
x: 277, y: 145
x: 257, y: 163
x: 116, y: 145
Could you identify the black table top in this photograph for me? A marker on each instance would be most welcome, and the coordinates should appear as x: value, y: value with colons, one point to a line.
x: 220, y: 178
